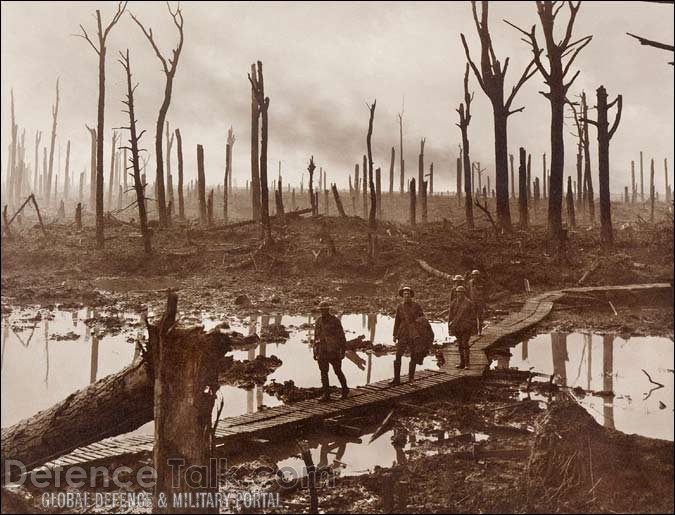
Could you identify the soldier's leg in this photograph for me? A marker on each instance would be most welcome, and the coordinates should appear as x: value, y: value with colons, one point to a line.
x: 325, y: 385
x: 460, y: 345
x: 337, y: 368
x: 400, y: 350
x: 411, y: 368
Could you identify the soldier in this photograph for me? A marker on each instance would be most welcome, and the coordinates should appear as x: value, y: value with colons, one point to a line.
x: 477, y: 295
x: 329, y: 349
x: 405, y: 332
x: 457, y: 280
x: 462, y: 323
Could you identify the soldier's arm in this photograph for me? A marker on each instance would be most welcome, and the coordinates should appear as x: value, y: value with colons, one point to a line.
x: 341, y: 333
x: 397, y: 322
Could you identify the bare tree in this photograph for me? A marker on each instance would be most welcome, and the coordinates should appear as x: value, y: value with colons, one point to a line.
x: 654, y: 44
x: 134, y: 138
x: 169, y: 66
x: 557, y: 52
x: 605, y: 134
x: 55, y: 113
x: 111, y: 176
x: 263, y: 102
x: 100, y: 49
x: 491, y: 79
x: 400, y: 149
x: 181, y: 199
x: 312, y: 201
x: 169, y: 177
x: 464, y: 111
x: 38, y: 137
x: 228, y: 171
x: 255, y: 164
x: 372, y: 222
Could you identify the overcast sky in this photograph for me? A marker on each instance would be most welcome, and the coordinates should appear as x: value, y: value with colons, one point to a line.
x: 322, y: 63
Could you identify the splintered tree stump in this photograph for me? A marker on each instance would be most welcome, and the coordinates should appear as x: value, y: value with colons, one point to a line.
x: 186, y: 362
x: 338, y: 202
x: 78, y: 216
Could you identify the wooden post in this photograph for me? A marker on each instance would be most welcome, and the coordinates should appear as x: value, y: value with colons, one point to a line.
x: 201, y: 184
x: 413, y: 200
x: 37, y: 210
x: 522, y: 190
x: 338, y: 202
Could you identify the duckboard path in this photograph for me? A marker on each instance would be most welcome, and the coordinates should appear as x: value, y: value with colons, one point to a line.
x: 277, y: 422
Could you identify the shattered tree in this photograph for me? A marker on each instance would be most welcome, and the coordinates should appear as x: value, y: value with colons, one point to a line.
x: 464, y: 112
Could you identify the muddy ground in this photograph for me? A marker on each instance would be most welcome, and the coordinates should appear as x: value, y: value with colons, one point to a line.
x: 538, y: 451
x: 228, y: 271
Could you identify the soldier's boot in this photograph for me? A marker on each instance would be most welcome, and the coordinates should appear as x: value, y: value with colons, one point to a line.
x: 397, y: 372
x: 462, y: 364
x: 343, y: 383
x: 466, y: 357
x: 411, y: 371
x: 325, y: 386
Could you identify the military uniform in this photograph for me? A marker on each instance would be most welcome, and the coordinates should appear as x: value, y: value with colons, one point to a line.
x: 462, y: 323
x: 406, y: 334
x: 478, y: 296
x: 329, y: 349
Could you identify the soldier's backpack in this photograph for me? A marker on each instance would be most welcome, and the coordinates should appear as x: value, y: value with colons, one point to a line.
x: 425, y: 335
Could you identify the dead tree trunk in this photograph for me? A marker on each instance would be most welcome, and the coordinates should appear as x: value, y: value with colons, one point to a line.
x: 378, y: 190
x: 209, y: 209
x: 263, y: 103
x: 652, y: 192
x: 522, y: 190
x: 169, y: 67
x: 55, y: 113
x: 374, y: 197
x: 312, y: 199
x: 413, y: 202
x: 400, y: 150
x: 364, y: 190
x: 201, y: 185
x: 513, y: 183
x: 556, y: 50
x: 100, y: 128
x: 169, y: 177
x: 642, y: 180
x: 458, y: 166
x: 357, y: 180
x: 92, y: 168
x: 588, y: 178
x: 255, y: 170
x: 279, y: 199
x: 423, y: 196
x: 543, y: 173
x: 633, y: 187
x: 391, y: 171
x: 464, y: 120
x: 134, y: 138
x: 431, y: 180
x: 491, y: 79
x: 605, y: 133
x: 570, y: 204
x: 78, y: 216
x: 181, y: 200
x: 529, y: 177
x: 665, y: 172
x: 338, y: 202
x: 111, y: 175
x: 11, y: 176
x: 227, y: 187
x: 420, y: 172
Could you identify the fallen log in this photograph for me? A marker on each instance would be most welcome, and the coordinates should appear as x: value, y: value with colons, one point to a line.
x: 433, y: 271
x: 113, y: 405
x: 235, y: 225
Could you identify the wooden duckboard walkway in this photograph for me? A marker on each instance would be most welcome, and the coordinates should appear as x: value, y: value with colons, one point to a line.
x: 275, y: 422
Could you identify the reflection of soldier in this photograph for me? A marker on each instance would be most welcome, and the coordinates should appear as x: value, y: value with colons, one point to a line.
x: 405, y: 333
x: 461, y: 323
x: 328, y: 447
x: 329, y: 349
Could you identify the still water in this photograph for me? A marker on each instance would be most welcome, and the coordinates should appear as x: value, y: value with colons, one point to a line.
x: 40, y: 367
x: 600, y: 364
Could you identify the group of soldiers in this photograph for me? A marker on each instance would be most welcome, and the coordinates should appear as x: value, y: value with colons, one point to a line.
x: 412, y: 331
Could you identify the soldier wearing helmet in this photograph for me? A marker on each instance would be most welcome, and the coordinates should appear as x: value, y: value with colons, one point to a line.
x: 462, y: 323
x: 405, y: 332
x: 457, y: 280
x: 329, y: 349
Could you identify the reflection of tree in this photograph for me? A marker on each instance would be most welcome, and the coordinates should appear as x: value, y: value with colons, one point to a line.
x: 589, y: 341
x: 370, y: 367
x: 94, y: 359
x: 524, y: 349
x: 559, y: 354
x: 372, y: 324
x: 608, y: 377
x: 5, y: 336
x: 46, y: 326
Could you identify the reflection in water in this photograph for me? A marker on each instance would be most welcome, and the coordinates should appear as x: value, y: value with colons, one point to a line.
x: 64, y: 366
x: 614, y: 379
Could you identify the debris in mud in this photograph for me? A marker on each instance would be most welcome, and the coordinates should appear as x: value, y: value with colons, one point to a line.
x: 106, y: 324
x: 247, y: 374
x: 274, y: 333
x: 242, y: 301
x: 69, y: 336
x: 288, y: 393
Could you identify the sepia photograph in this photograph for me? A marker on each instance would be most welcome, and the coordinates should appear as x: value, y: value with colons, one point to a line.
x: 337, y: 257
